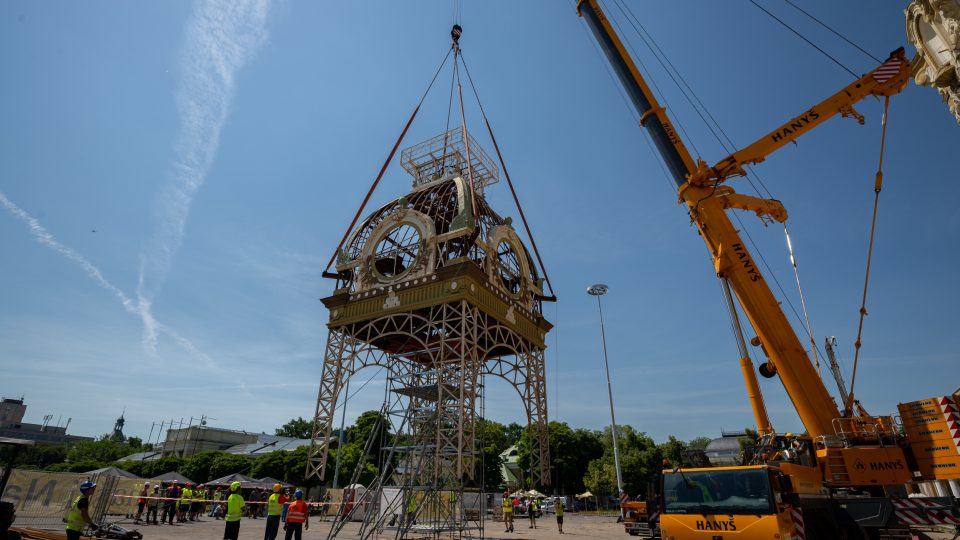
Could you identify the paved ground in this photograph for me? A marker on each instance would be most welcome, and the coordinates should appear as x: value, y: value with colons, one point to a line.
x: 574, y: 527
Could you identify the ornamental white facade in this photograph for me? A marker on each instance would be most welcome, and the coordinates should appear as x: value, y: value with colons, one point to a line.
x: 933, y: 27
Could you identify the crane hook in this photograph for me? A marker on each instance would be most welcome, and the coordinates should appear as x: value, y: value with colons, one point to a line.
x: 455, y: 35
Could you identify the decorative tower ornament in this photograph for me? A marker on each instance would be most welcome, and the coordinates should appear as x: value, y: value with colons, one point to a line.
x: 933, y: 26
x: 117, y: 434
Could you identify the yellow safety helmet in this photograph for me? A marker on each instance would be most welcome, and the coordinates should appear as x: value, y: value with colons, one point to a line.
x: 277, y: 488
x: 235, y: 486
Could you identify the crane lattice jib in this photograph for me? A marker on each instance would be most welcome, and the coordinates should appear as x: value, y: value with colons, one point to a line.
x: 708, y: 202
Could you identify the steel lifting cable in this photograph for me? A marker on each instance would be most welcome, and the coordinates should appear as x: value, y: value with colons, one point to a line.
x: 838, y: 34
x: 651, y: 44
x: 655, y: 49
x: 803, y: 301
x: 658, y: 53
x: 628, y: 106
x: 506, y: 174
x: 801, y: 36
x: 663, y: 98
x: 463, y: 124
x: 877, y: 186
x: 383, y: 169
x: 446, y: 131
x: 556, y: 360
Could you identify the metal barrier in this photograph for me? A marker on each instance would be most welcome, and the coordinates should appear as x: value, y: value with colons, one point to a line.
x: 42, y: 499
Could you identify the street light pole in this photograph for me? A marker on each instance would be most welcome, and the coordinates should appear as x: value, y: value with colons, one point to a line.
x: 599, y: 290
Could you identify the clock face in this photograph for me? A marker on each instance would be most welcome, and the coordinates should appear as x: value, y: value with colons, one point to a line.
x: 508, y: 268
x: 397, y: 251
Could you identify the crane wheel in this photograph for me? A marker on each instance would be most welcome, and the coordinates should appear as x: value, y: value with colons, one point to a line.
x: 768, y: 370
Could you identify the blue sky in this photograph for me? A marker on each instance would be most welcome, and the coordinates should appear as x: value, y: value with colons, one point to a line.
x: 219, y: 151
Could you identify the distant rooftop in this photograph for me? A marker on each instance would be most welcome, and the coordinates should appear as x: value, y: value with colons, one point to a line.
x: 142, y: 456
x: 268, y: 443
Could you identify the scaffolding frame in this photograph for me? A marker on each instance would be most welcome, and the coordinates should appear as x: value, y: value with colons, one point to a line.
x: 488, y: 347
x: 445, y: 155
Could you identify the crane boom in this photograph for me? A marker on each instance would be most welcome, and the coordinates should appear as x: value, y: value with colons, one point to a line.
x: 889, y: 78
x: 665, y: 137
x: 707, y: 202
x: 829, y: 344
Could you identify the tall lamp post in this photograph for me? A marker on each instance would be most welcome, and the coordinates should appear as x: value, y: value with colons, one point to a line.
x: 599, y: 290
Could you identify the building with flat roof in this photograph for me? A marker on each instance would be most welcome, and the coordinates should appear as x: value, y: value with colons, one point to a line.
x: 12, y: 425
x: 188, y: 441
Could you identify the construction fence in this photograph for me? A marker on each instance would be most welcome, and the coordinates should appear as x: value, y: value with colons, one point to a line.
x: 42, y: 499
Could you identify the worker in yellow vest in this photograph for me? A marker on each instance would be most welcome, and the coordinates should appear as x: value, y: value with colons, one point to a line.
x: 274, y: 509
x: 234, y: 513
x: 507, y: 512
x: 79, y: 515
x: 558, y: 508
x: 185, y: 495
x: 196, y: 504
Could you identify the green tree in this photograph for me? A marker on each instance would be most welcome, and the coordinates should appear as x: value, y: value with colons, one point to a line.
x: 601, y: 477
x: 747, y: 445
x: 640, y: 462
x: 672, y: 451
x: 135, y: 466
x: 514, y: 433
x: 197, y: 467
x: 297, y: 428
x: 296, y: 467
x: 105, y: 450
x: 38, y: 455
x: 77, y: 466
x: 358, y: 433
x: 228, y: 464
x: 493, y: 437
x: 273, y: 464
x: 699, y: 443
x: 163, y: 465
x: 350, y: 456
x: 571, y: 451
x: 357, y: 437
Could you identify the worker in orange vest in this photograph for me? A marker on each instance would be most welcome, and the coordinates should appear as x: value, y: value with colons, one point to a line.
x: 298, y: 517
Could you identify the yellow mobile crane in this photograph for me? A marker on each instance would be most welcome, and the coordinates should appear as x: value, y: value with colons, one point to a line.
x: 840, y: 479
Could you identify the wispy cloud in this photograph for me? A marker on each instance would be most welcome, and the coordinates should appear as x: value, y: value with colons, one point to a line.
x: 220, y: 37
x: 141, y: 310
x: 44, y: 237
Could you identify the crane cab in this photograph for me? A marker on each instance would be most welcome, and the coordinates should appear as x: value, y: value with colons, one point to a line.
x: 726, y: 502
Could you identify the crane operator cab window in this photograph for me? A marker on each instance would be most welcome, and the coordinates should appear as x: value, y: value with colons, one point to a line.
x: 717, y: 491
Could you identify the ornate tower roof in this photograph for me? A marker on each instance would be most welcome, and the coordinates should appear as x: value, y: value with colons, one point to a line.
x: 410, y: 239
